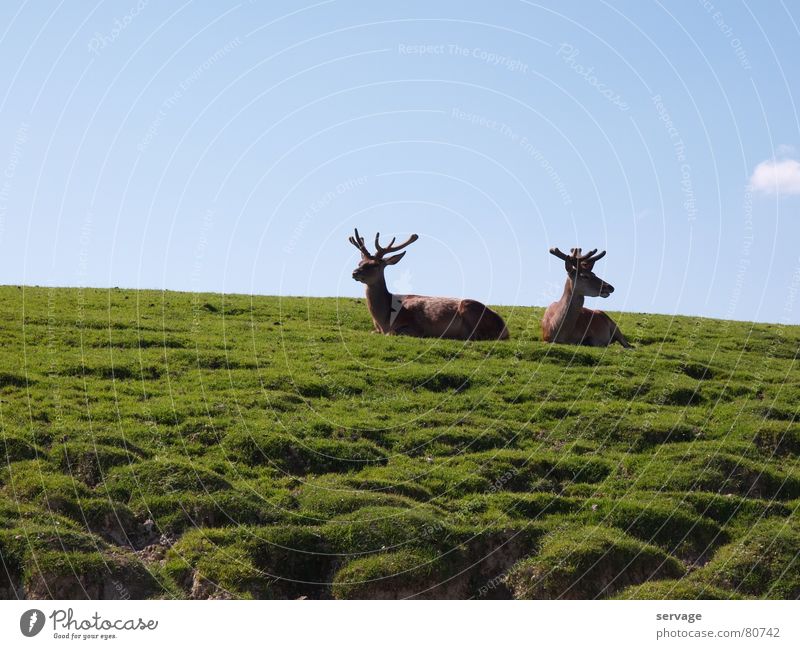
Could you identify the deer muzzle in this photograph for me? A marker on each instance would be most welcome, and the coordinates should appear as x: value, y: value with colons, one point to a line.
x: 606, y: 290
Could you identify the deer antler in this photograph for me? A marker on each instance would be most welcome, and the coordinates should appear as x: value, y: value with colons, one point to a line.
x: 589, y: 258
x: 358, y: 242
x: 576, y: 256
x: 381, y: 252
x: 570, y: 261
x: 559, y: 254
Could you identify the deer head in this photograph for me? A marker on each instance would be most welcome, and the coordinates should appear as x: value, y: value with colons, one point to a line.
x: 370, y: 268
x: 579, y: 268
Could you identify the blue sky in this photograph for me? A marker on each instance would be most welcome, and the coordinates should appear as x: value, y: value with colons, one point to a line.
x: 233, y: 147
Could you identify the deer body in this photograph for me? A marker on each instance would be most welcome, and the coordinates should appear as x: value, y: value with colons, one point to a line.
x: 418, y: 315
x: 568, y: 321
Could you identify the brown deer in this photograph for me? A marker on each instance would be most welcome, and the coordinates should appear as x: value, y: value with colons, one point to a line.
x: 568, y: 321
x: 416, y: 315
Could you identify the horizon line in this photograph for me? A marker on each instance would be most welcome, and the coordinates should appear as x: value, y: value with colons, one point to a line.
x: 349, y: 297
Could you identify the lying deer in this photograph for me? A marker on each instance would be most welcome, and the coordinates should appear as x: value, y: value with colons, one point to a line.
x: 568, y: 321
x: 416, y: 315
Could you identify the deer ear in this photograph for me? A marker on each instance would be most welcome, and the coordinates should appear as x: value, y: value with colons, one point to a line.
x: 391, y: 261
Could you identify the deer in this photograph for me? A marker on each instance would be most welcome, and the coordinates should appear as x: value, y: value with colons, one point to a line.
x: 417, y: 315
x: 568, y: 321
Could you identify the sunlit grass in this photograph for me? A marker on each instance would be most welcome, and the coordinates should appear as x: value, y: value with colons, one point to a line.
x: 173, y: 445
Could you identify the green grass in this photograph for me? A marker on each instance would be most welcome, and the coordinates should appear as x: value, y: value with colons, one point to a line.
x: 169, y: 445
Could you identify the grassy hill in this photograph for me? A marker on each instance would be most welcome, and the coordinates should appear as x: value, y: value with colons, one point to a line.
x: 176, y: 445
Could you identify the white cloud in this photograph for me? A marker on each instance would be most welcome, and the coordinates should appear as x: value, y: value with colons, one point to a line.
x: 776, y: 177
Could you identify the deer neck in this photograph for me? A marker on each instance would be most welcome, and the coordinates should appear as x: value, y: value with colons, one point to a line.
x: 379, y: 302
x: 570, y: 305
